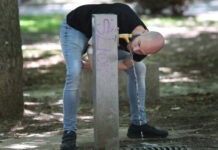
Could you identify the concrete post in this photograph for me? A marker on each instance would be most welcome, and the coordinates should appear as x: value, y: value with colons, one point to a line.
x: 152, y: 85
x: 105, y: 72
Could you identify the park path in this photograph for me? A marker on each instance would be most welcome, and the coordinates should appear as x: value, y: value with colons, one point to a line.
x: 51, y: 140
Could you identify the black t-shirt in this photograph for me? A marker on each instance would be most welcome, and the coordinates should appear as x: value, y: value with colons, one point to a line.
x: 80, y: 19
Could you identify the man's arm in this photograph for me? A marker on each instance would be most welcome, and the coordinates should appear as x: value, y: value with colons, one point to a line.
x: 122, y: 64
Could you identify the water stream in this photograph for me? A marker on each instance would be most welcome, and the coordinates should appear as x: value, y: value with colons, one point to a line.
x: 137, y: 91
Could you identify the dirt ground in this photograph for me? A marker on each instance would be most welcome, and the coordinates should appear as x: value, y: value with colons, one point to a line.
x: 188, y: 107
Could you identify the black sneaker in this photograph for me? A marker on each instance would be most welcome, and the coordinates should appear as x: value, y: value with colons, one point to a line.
x: 68, y: 141
x: 145, y: 131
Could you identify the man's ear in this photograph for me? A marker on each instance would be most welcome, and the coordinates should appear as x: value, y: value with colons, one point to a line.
x: 144, y: 31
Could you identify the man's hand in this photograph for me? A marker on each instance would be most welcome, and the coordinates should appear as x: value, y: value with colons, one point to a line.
x: 85, y: 63
x: 87, y: 60
x: 126, y: 63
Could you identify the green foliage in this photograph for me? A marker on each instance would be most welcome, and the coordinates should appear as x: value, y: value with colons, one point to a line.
x: 156, y: 6
x: 51, y: 23
x: 41, y: 23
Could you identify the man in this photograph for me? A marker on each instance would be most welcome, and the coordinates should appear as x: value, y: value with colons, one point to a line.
x: 74, y: 35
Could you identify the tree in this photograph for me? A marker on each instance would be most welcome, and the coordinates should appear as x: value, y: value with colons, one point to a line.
x: 11, y: 61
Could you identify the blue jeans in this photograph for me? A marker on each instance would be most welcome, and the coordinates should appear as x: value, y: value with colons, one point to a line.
x: 138, y: 116
x: 73, y: 44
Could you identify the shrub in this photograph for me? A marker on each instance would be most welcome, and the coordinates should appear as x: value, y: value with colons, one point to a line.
x: 177, y: 7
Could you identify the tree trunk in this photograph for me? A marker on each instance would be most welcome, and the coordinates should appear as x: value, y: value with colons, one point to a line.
x: 11, y: 61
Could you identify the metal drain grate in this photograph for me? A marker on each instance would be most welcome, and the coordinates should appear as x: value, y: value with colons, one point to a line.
x: 158, y: 148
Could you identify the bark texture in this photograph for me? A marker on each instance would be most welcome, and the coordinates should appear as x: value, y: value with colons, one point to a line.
x: 11, y: 61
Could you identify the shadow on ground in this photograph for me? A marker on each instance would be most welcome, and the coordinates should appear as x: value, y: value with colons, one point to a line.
x: 187, y: 108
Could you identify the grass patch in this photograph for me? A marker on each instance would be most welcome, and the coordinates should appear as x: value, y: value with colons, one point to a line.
x: 50, y: 23
x: 165, y: 22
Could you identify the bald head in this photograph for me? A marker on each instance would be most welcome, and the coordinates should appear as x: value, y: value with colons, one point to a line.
x: 147, y: 43
x: 154, y: 41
